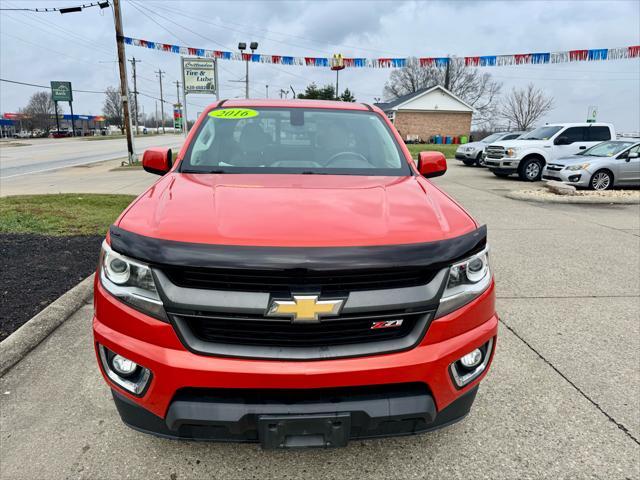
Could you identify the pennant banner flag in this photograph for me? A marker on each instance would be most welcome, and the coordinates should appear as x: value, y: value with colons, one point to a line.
x: 597, y: 54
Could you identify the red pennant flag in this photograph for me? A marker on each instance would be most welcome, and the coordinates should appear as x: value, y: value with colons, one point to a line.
x: 578, y: 55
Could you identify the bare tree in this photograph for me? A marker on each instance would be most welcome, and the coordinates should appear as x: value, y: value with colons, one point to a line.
x: 524, y: 107
x: 477, y: 89
x: 113, y: 109
x: 40, y: 111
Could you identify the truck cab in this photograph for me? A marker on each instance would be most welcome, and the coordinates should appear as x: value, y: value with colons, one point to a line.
x: 528, y: 155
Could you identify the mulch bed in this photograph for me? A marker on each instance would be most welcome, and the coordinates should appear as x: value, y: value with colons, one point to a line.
x: 36, y: 269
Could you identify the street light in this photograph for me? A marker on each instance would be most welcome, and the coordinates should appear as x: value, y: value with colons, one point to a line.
x: 242, y: 46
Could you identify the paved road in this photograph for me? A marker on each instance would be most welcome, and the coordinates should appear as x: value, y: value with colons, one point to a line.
x: 561, y: 402
x: 33, y: 156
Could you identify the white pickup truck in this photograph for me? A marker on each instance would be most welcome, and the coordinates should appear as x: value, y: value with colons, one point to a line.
x: 528, y: 155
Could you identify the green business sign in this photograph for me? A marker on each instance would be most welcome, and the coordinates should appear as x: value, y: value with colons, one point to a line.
x: 61, y: 92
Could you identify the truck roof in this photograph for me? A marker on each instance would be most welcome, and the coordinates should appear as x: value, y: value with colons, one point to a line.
x: 578, y: 124
x: 295, y: 103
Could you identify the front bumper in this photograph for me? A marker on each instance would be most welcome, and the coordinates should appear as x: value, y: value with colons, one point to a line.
x: 577, y: 178
x: 155, y: 345
x: 466, y: 155
x: 503, y: 164
x: 217, y: 419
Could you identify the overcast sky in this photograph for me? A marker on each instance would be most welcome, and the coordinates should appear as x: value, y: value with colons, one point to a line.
x: 80, y: 47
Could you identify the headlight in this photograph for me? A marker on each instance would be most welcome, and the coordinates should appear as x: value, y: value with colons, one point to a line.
x: 467, y: 280
x: 131, y: 282
x: 582, y: 166
x: 469, y: 149
x: 512, y: 152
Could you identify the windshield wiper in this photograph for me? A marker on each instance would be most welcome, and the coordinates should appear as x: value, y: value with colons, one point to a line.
x: 203, y: 171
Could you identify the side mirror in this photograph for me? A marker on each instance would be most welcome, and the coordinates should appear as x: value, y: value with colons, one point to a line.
x: 562, y: 141
x: 431, y: 164
x: 157, y: 160
x: 632, y: 155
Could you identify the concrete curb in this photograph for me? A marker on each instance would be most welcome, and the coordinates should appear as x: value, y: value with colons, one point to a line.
x: 17, y: 345
x: 576, y: 199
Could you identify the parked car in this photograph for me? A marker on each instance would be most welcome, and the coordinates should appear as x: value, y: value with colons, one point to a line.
x: 22, y: 134
x: 295, y: 280
x: 62, y: 133
x: 528, y: 155
x: 601, y: 167
x: 472, y: 153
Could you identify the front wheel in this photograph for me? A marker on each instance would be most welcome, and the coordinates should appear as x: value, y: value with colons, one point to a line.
x: 469, y: 162
x: 531, y: 170
x: 601, y: 180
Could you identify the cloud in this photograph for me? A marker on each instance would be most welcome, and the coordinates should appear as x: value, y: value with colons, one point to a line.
x: 38, y: 48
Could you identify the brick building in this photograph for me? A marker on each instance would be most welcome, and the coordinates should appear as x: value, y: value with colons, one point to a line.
x: 428, y: 112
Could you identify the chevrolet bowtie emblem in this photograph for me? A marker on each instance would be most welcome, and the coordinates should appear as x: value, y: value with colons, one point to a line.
x: 305, y: 308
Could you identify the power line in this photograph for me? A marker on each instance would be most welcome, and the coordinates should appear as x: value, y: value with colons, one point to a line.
x: 52, y: 50
x: 47, y: 24
x: 253, y: 29
x: 101, y: 92
x: 79, y: 8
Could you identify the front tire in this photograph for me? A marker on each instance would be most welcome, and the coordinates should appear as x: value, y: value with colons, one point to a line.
x: 531, y: 170
x: 469, y: 162
x: 601, y: 180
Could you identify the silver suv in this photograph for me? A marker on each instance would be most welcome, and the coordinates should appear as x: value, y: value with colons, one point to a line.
x: 473, y: 153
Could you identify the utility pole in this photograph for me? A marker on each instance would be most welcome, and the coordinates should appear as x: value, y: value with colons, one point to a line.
x: 177, y: 90
x: 447, y: 76
x: 267, y: 90
x: 135, y: 91
x: 183, y: 109
x: 160, y: 73
x: 124, y: 91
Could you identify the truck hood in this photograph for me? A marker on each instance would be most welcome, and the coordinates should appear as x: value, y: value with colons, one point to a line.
x: 295, y: 210
x: 474, y: 145
x: 521, y: 144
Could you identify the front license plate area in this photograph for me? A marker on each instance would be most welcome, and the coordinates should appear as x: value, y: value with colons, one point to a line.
x: 300, y: 431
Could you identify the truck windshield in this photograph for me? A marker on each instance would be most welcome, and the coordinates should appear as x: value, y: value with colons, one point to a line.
x: 294, y: 140
x: 542, y: 133
x: 492, y: 138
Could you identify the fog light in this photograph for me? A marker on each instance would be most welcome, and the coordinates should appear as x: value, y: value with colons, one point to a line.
x: 472, y: 359
x: 575, y: 178
x: 469, y: 367
x: 125, y: 373
x: 124, y: 366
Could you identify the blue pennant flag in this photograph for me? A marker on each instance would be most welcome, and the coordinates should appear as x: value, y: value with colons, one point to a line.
x: 540, y: 57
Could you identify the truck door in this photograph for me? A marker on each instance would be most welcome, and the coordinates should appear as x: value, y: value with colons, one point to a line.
x: 597, y: 134
x: 629, y: 167
x: 569, y: 142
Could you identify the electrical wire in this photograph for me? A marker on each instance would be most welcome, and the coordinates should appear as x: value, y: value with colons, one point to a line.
x: 253, y: 29
x: 102, y: 4
x: 50, y: 25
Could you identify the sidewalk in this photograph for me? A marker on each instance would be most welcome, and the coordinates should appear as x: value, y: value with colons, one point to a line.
x: 93, y: 178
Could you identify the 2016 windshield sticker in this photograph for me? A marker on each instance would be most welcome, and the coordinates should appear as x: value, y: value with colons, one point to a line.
x: 234, y: 113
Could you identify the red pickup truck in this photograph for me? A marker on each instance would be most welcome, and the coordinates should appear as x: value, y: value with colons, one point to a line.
x: 293, y: 279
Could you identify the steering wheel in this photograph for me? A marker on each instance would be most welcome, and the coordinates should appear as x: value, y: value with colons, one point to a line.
x: 357, y: 156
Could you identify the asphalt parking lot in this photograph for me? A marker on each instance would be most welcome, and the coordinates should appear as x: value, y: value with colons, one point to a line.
x: 561, y: 401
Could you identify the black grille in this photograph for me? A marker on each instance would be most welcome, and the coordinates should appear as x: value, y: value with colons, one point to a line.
x: 258, y: 331
x: 297, y: 279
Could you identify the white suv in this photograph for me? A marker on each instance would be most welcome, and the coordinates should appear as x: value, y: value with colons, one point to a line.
x: 528, y: 155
